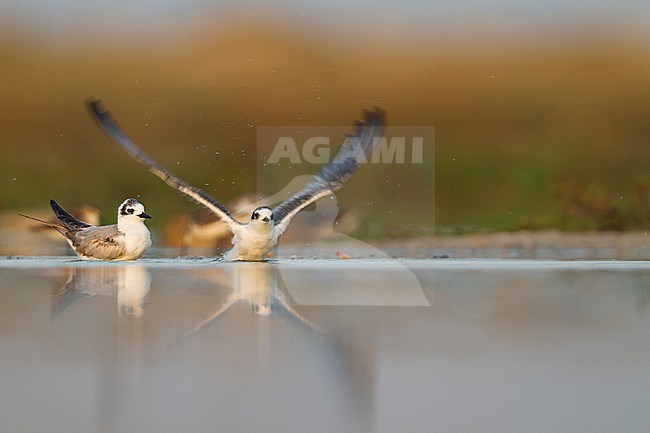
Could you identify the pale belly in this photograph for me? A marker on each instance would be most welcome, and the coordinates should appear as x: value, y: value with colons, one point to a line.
x: 252, y: 246
x: 136, y: 244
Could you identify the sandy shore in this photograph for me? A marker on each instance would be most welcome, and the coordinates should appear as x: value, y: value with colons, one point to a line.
x: 525, y: 244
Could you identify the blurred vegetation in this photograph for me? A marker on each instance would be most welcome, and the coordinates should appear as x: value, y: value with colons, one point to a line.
x: 530, y: 133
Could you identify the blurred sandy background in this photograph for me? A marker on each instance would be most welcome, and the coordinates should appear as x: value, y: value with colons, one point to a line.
x: 541, y: 112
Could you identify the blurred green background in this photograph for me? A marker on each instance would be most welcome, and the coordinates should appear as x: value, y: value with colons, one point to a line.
x: 542, y: 117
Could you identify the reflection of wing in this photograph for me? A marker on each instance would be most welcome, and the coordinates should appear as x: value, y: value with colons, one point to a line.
x: 286, y: 301
x: 68, y: 298
x: 83, y: 283
x: 354, y: 153
x: 110, y: 127
x: 261, y: 285
x: 104, y: 243
x: 214, y: 316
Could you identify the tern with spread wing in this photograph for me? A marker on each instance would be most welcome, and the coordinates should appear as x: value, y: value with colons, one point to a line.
x: 254, y: 240
x: 126, y: 240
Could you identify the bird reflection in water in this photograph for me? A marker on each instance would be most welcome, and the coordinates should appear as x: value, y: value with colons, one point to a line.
x: 261, y: 286
x: 337, y: 365
x: 128, y: 283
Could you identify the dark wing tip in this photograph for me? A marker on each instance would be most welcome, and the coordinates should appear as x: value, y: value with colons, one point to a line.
x: 70, y: 222
x: 95, y: 107
x: 58, y: 210
x: 376, y: 116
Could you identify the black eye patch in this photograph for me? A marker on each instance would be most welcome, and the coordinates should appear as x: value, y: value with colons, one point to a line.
x: 255, y: 215
x: 129, y: 210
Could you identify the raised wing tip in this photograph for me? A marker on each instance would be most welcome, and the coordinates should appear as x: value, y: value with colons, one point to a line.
x: 95, y: 106
x: 371, y: 119
x: 376, y: 116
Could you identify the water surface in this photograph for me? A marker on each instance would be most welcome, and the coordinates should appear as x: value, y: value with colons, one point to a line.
x: 166, y: 345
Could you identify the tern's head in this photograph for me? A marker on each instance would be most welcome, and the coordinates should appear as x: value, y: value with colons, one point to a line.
x: 131, y: 210
x: 262, y: 214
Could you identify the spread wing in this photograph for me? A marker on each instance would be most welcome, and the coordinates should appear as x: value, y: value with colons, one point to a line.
x: 104, y: 243
x: 354, y: 153
x: 106, y: 122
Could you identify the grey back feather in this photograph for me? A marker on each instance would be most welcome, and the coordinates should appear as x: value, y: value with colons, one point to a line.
x: 104, y: 243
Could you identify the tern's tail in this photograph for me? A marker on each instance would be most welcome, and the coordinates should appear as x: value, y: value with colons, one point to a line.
x: 70, y: 222
x: 56, y: 227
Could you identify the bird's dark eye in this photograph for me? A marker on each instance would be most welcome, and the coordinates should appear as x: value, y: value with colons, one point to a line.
x: 255, y: 215
x: 129, y: 210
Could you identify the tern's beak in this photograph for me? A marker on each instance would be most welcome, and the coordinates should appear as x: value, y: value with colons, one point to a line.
x: 266, y: 219
x: 145, y: 215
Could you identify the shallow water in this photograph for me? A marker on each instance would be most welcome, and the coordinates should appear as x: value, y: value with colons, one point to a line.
x: 164, y: 345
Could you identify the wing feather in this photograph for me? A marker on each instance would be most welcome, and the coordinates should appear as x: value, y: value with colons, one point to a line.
x: 103, y: 243
x: 353, y: 154
x: 70, y: 222
x: 106, y: 122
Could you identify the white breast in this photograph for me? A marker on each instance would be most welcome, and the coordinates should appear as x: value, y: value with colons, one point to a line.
x: 137, y: 239
x: 251, y: 244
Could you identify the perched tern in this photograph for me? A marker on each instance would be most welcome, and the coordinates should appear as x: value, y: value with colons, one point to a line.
x: 126, y: 240
x: 253, y: 241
